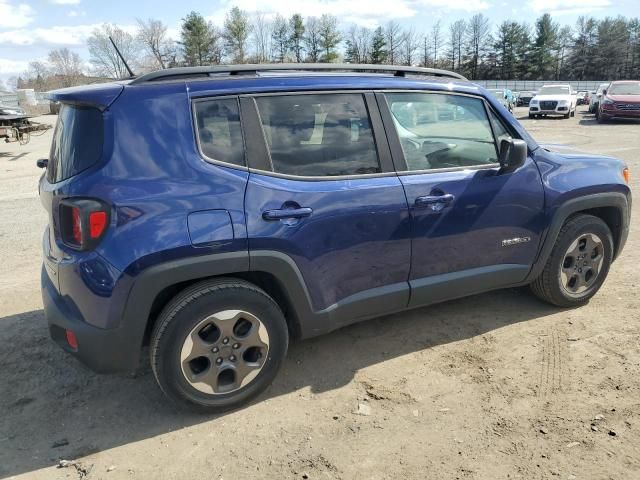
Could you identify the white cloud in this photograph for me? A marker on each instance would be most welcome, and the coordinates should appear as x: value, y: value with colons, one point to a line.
x: 66, y: 2
x: 368, y: 13
x: 15, y: 15
x: 464, y: 5
x: 559, y: 7
x: 76, y: 13
x: 363, y: 12
x: 10, y: 67
x: 67, y: 35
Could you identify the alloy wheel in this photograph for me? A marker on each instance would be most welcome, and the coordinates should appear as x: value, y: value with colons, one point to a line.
x: 582, y: 264
x: 224, y: 352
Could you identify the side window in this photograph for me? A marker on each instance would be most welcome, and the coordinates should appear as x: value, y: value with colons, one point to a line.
x: 442, y: 131
x: 499, y: 129
x: 319, y: 135
x: 219, y: 132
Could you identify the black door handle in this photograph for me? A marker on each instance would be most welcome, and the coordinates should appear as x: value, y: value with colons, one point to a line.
x: 436, y: 202
x: 285, y: 213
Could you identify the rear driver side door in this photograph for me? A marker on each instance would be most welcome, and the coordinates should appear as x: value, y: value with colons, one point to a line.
x: 323, y: 193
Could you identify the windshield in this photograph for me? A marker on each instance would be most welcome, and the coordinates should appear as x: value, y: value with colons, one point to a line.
x: 624, y: 89
x: 527, y: 94
x: 554, y: 91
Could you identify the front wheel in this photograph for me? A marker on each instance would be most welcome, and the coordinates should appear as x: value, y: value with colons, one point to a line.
x: 578, y: 264
x: 218, y: 344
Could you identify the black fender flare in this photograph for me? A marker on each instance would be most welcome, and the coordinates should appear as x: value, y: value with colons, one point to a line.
x: 153, y: 280
x: 618, y: 200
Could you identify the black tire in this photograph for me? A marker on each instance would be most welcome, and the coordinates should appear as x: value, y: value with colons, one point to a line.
x: 548, y: 286
x: 567, y: 115
x: 573, y: 113
x: 531, y: 115
x: 190, y: 307
x: 601, y: 119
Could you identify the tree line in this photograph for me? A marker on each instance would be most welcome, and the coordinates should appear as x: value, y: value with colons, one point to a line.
x: 592, y: 49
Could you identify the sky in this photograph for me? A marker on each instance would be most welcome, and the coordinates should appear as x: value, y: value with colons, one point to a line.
x: 29, y: 29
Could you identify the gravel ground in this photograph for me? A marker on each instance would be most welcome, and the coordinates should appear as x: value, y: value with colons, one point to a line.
x: 493, y: 386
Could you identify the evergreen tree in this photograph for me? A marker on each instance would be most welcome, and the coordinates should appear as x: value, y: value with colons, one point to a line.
x: 199, y: 41
x: 281, y: 38
x: 378, y: 47
x: 544, y: 64
x: 329, y: 37
x: 236, y: 33
x: 296, y: 39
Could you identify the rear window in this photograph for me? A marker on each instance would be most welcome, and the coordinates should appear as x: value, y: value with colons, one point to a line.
x: 219, y: 131
x: 320, y: 135
x: 77, y: 142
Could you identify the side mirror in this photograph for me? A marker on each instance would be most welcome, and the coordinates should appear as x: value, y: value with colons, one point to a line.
x: 513, y: 154
x: 604, y: 92
x: 42, y: 163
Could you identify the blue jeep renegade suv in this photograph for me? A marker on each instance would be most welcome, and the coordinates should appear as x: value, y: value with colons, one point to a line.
x: 213, y: 213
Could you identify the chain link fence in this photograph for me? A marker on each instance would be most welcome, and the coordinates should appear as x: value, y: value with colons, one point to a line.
x: 534, y: 85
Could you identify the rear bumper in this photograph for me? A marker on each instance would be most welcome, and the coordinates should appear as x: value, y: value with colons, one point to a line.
x: 102, y: 350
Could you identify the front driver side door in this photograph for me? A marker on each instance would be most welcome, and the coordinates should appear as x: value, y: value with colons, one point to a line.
x: 473, y: 227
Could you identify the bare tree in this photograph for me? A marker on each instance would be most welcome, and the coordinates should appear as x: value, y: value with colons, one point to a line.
x: 153, y: 38
x: 456, y: 41
x: 104, y: 57
x: 358, y: 41
x: 393, y: 36
x: 409, y: 46
x: 312, y: 39
x: 37, y: 75
x: 66, y: 65
x: 261, y: 37
x: 436, y: 40
x: 477, y: 40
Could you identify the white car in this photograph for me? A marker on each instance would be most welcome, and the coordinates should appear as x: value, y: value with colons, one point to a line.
x: 554, y: 100
x: 594, y: 102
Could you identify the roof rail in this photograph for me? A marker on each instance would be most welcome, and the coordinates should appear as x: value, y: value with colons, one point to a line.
x: 253, y: 69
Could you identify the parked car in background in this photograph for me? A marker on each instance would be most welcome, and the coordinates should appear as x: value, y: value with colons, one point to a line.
x: 621, y: 99
x: 595, y: 98
x: 582, y: 97
x: 553, y: 100
x: 505, y: 96
x: 524, y: 98
x: 9, y: 110
x: 212, y: 217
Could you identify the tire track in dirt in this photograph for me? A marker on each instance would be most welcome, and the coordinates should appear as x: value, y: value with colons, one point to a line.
x: 553, y: 364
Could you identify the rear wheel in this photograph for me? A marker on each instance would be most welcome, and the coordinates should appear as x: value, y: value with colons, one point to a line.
x: 578, y: 264
x: 218, y: 344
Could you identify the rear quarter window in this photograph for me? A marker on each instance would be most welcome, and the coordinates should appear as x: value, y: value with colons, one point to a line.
x: 77, y: 142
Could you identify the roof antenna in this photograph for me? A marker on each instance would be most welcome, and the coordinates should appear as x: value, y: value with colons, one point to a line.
x: 121, y: 57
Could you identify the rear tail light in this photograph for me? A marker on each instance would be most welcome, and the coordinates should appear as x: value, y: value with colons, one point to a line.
x: 83, y: 222
x: 626, y: 175
x: 72, y: 341
x: 97, y: 224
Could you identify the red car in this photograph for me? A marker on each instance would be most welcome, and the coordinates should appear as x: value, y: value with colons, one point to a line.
x: 620, y: 100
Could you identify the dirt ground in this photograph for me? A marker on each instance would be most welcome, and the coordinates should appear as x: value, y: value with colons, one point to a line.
x: 495, y: 386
